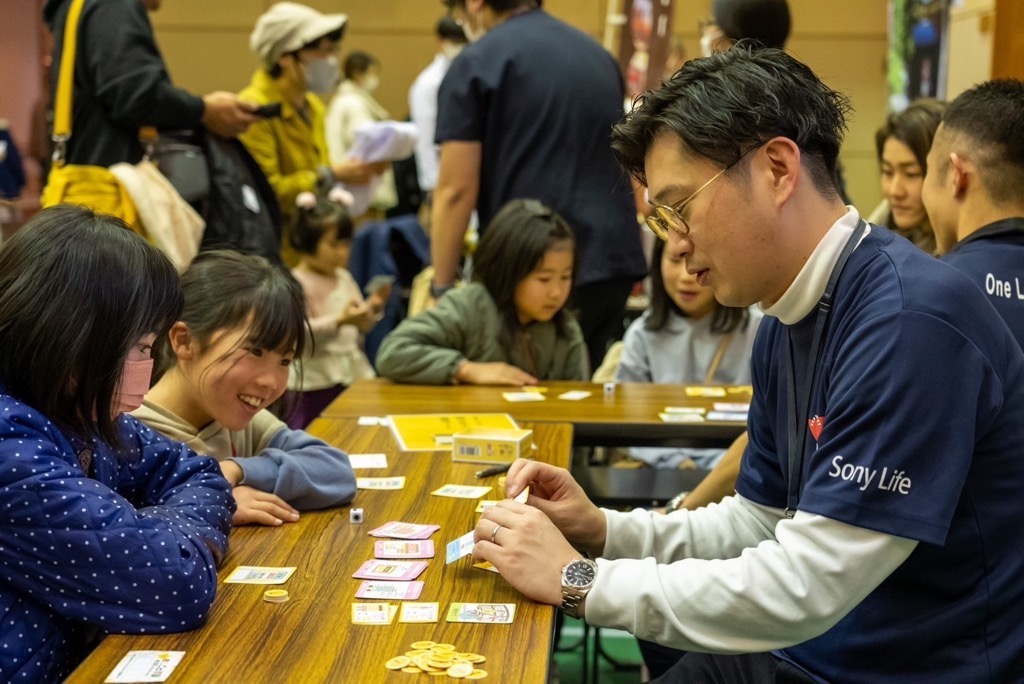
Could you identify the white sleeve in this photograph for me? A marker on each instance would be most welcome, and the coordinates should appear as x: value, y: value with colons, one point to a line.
x: 790, y: 587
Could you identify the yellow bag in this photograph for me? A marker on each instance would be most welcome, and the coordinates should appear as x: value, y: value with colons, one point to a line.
x: 92, y: 186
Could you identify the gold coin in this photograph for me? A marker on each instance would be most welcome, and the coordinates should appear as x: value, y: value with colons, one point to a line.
x: 421, y: 662
x: 397, y: 663
x: 440, y: 664
x: 412, y: 669
x: 476, y: 674
x: 443, y: 647
x: 437, y: 673
x: 422, y: 644
x: 473, y: 657
x: 460, y: 670
x: 275, y: 596
x: 417, y: 652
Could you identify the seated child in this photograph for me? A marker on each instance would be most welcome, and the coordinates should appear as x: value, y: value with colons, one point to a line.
x: 509, y: 326
x: 224, y: 361
x: 686, y: 337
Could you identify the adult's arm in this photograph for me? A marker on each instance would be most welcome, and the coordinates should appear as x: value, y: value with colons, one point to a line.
x: 458, y: 186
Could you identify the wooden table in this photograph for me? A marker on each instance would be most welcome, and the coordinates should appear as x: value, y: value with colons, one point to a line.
x: 310, y: 638
x: 629, y: 418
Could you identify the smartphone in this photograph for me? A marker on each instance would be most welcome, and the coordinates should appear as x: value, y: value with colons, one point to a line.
x: 269, y: 111
x: 378, y: 281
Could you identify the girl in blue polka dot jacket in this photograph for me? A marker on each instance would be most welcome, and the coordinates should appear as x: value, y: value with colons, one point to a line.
x: 107, y: 525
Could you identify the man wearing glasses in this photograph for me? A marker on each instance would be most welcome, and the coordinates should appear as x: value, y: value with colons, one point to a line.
x: 876, y: 532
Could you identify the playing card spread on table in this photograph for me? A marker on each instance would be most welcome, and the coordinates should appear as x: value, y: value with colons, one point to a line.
x: 463, y: 546
x: 403, y: 530
x: 394, y: 591
x: 380, y: 482
x: 461, y: 491
x: 250, y: 574
x: 490, y: 613
x: 390, y: 570
x: 399, y: 549
x: 419, y: 612
x: 373, y: 613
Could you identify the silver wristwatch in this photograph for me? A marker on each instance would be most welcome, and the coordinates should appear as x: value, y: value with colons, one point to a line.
x: 577, y: 579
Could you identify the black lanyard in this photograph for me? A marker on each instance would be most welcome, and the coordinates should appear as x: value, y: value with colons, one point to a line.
x: 799, y: 406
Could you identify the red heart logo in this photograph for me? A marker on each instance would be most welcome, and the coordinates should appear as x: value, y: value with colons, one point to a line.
x: 817, y: 423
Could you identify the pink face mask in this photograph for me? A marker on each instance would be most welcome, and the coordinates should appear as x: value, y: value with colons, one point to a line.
x: 133, y: 386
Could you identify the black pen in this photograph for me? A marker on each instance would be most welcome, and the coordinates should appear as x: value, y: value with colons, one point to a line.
x: 494, y: 470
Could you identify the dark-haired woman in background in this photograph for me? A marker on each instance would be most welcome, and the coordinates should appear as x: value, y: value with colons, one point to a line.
x: 902, y: 144
x: 108, y: 526
x: 509, y: 326
x: 686, y: 337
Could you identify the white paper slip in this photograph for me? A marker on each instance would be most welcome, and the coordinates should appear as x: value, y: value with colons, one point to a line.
x: 731, y: 407
x: 367, y: 421
x: 145, y: 666
x: 359, y: 461
x: 681, y: 417
x: 380, y: 482
x: 461, y: 491
x: 523, y: 396
x: 727, y: 416
x: 251, y: 574
x: 574, y: 395
x: 686, y: 409
x: 398, y: 591
x: 418, y: 612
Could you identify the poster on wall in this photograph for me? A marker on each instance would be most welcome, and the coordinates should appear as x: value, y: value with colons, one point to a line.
x: 644, y: 43
x: 917, y: 50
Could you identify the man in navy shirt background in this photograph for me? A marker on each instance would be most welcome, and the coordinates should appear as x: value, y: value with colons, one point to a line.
x: 876, y: 531
x: 974, y: 193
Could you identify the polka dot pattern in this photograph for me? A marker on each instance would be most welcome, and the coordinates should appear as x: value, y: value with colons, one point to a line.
x: 132, y: 549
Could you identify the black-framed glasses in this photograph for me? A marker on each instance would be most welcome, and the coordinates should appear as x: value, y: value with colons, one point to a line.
x: 669, y: 217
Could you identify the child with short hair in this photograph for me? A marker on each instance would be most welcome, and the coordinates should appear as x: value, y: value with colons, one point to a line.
x: 507, y: 327
x: 338, y: 314
x: 107, y: 525
x: 224, y: 362
x: 686, y: 337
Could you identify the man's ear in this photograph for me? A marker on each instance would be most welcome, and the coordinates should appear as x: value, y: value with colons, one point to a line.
x: 961, y: 174
x: 182, y: 343
x: 783, y: 163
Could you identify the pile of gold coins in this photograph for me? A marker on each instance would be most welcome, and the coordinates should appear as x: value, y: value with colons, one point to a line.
x: 438, y: 660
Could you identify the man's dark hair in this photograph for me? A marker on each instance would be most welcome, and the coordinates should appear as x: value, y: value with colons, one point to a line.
x: 78, y: 290
x: 496, y: 5
x: 765, y: 21
x: 991, y: 116
x: 358, y: 63
x: 723, y: 105
x: 450, y: 30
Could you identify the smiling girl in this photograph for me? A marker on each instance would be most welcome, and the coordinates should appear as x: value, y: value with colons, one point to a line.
x: 509, y: 326
x: 224, y: 361
x: 686, y: 337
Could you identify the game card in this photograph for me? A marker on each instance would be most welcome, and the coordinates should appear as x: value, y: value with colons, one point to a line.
x: 486, y: 565
x: 250, y: 574
x: 403, y: 530
x: 359, y: 461
x: 145, y: 666
x: 461, y: 491
x: 399, y: 571
x: 696, y: 391
x: 727, y: 416
x: 484, y: 505
x: 681, y: 417
x: 522, y: 496
x: 393, y: 591
x: 523, y: 396
x: 380, y: 482
x: 731, y: 407
x: 463, y: 546
x: 489, y: 613
x: 399, y: 548
x: 574, y: 395
x: 419, y: 612
x: 373, y: 613
x: 686, y: 409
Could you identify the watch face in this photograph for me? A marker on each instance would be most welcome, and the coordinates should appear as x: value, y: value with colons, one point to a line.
x: 579, y: 574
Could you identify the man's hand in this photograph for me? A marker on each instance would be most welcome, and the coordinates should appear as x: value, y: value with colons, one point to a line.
x: 355, y: 172
x: 527, y: 549
x: 555, y: 492
x: 493, y: 373
x: 261, y: 508
x: 226, y: 115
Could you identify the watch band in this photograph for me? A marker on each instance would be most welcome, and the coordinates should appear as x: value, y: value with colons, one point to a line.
x: 436, y: 291
x: 571, y: 602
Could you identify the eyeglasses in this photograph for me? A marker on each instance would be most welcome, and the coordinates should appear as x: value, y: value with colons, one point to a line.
x: 670, y: 217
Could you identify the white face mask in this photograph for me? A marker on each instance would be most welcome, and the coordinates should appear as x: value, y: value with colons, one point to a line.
x: 321, y: 74
x: 371, y: 83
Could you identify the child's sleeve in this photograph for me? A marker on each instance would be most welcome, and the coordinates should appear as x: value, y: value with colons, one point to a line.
x: 634, y: 365
x: 427, y: 348
x: 301, y: 469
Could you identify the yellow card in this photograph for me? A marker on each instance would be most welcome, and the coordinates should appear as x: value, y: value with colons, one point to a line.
x: 373, y: 613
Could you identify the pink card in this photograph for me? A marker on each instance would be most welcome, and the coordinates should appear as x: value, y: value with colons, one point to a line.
x: 403, y: 548
x: 401, y: 530
x: 390, y: 591
x: 390, y: 570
